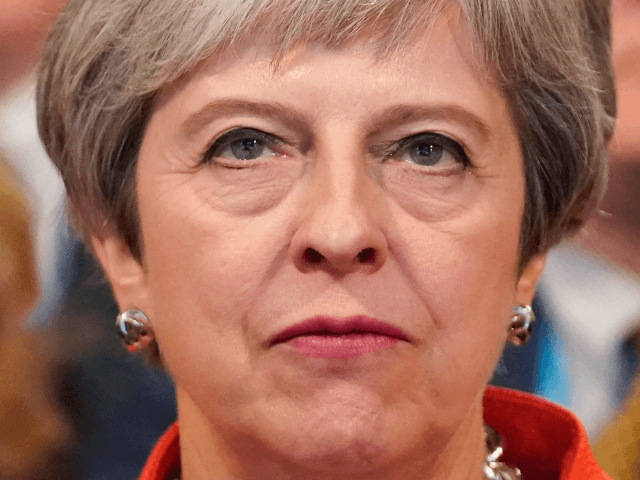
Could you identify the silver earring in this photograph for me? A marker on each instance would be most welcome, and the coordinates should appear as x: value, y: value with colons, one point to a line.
x: 521, y: 325
x: 133, y: 327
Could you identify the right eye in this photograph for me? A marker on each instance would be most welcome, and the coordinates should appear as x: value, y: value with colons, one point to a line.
x: 242, y: 145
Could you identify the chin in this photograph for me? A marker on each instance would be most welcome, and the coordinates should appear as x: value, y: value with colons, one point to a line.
x: 355, y: 451
x: 346, y: 434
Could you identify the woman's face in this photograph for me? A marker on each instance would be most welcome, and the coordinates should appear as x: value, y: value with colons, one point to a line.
x: 282, y: 208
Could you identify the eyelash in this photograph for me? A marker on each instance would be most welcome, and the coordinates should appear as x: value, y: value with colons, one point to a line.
x: 385, y: 152
x: 224, y: 140
x: 458, y: 151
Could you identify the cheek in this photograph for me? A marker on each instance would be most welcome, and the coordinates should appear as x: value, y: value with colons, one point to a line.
x: 200, y: 275
x: 200, y: 291
x: 460, y: 244
x: 206, y: 269
x: 464, y: 271
x: 249, y: 191
x: 195, y: 275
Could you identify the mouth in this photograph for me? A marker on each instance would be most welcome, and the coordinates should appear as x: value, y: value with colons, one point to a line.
x: 341, y: 338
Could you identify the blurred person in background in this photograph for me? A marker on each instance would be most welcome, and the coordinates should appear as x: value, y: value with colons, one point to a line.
x: 34, y: 434
x: 72, y: 309
x: 616, y: 236
x: 24, y: 25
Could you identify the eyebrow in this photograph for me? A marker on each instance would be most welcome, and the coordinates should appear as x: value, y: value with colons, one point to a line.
x: 399, y: 115
x: 392, y: 117
x: 217, y: 109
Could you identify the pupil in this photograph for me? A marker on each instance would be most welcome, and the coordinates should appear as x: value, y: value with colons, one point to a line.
x: 427, y: 154
x: 247, y: 148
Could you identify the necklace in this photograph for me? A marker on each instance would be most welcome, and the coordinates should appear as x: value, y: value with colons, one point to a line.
x: 493, y: 468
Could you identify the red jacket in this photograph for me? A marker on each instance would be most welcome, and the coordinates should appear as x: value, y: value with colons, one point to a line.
x: 544, y: 441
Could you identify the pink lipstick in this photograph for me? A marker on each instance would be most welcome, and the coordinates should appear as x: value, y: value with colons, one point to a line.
x: 342, y: 338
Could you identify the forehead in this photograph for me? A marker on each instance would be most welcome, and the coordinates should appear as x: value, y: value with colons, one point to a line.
x: 384, y: 48
x: 201, y: 29
x: 433, y: 75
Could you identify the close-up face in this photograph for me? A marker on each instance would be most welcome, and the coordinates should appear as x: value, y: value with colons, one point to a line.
x: 330, y: 245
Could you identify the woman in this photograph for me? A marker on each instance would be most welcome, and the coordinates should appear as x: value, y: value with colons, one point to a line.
x: 326, y: 218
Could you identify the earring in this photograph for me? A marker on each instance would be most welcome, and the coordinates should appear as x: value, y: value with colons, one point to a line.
x: 521, y: 325
x: 133, y: 327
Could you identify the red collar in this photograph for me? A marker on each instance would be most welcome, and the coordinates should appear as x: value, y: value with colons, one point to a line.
x: 545, y: 441
x: 165, y: 457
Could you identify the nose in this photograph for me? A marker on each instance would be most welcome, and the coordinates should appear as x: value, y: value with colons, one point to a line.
x: 341, y: 228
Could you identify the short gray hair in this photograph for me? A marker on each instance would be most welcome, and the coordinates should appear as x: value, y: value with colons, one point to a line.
x: 105, y: 61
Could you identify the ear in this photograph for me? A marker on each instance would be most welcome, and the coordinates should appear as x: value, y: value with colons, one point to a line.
x: 526, y: 286
x: 125, y: 274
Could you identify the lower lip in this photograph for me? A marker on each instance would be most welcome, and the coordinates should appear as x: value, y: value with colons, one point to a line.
x: 342, y: 346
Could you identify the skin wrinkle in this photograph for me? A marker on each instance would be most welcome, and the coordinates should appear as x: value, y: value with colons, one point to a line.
x: 447, y: 266
x: 267, y: 196
x: 225, y: 108
x: 526, y: 47
x: 241, y: 273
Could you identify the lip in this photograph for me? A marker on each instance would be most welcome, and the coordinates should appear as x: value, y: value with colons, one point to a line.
x: 329, y: 337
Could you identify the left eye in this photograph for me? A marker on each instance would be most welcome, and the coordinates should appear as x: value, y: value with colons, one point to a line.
x: 242, y: 144
x: 430, y: 150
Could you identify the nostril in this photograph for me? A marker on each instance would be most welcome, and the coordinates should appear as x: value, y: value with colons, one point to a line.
x: 312, y: 256
x: 368, y: 255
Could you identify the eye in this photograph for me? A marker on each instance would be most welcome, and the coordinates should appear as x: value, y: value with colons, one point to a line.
x: 242, y: 144
x: 430, y: 150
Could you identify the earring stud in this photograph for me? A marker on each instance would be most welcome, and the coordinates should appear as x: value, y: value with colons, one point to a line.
x: 133, y: 327
x: 521, y: 325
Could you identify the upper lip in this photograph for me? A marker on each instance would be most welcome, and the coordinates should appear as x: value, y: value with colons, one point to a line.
x: 331, y: 325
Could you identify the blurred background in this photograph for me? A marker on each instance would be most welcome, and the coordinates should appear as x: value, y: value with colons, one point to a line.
x: 76, y: 405
x: 100, y: 409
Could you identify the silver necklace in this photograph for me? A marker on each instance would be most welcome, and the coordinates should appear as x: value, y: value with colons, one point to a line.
x: 493, y: 468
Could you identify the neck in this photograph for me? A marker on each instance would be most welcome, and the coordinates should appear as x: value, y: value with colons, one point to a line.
x: 209, y: 452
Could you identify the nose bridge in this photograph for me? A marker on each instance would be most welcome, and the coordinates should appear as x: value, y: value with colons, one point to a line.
x: 340, y: 180
x: 341, y: 228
